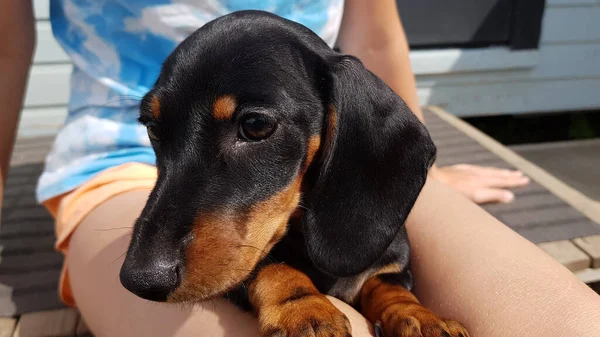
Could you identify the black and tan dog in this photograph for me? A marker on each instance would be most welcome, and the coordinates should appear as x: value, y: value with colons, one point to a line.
x: 285, y: 172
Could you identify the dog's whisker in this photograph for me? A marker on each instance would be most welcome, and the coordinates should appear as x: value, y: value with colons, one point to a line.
x: 111, y: 229
x: 303, y: 207
x: 119, y: 100
x: 250, y: 246
x: 236, y: 269
x: 120, y: 256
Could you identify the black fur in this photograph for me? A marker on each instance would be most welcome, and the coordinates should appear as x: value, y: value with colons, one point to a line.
x: 356, y: 194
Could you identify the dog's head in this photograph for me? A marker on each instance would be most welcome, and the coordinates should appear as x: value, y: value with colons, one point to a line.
x: 252, y: 118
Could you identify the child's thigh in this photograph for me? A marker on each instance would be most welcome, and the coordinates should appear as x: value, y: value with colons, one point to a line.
x: 96, y: 252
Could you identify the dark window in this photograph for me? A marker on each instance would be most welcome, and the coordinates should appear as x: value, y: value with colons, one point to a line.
x: 472, y: 23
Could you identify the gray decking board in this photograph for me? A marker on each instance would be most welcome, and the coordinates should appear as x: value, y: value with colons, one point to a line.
x: 29, y: 265
x: 577, y: 163
x: 536, y: 213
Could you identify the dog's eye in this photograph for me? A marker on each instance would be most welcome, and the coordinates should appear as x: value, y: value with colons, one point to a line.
x: 255, y: 128
x: 153, y: 132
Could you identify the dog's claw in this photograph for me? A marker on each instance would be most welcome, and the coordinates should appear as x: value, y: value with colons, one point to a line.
x: 421, y: 325
x: 378, y: 329
x: 313, y: 317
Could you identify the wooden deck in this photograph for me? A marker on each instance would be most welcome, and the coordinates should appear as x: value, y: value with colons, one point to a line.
x: 562, y: 221
x: 575, y: 162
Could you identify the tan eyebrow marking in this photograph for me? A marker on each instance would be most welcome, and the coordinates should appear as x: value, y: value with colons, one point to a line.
x: 155, y: 107
x: 224, y: 107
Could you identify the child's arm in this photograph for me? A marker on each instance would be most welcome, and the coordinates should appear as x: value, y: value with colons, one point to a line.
x: 17, y: 41
x: 373, y: 32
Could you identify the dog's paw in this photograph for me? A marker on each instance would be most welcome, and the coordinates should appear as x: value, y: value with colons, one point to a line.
x: 417, y: 323
x: 312, y: 316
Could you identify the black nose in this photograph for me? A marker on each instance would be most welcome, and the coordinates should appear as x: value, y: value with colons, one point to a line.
x: 153, y: 280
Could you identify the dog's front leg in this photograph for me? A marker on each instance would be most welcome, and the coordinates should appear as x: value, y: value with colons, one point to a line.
x: 385, y: 300
x: 289, y: 304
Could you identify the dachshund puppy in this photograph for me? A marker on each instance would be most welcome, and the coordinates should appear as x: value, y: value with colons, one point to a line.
x: 286, y: 171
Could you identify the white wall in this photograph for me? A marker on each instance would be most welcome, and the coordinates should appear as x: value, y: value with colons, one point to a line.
x: 563, y: 74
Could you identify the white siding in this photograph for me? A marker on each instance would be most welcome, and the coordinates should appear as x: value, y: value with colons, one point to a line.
x: 566, y: 75
x: 563, y: 74
x: 47, y: 90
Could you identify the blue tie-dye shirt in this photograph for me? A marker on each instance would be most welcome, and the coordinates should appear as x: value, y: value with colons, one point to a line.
x: 117, y: 48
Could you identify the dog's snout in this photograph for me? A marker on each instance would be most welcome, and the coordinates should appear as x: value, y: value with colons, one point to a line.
x: 152, y: 280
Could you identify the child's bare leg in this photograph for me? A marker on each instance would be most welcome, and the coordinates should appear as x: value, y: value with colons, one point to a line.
x: 96, y: 252
x: 472, y: 268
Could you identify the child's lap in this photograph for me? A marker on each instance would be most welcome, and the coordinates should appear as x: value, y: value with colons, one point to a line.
x: 96, y: 252
x: 95, y: 249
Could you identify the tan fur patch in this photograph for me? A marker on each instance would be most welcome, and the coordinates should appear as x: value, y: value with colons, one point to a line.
x: 332, y: 120
x: 268, y: 219
x: 274, y: 283
x: 377, y: 297
x: 389, y: 269
x: 349, y: 288
x: 314, y: 144
x: 220, y: 256
x: 289, y: 304
x: 224, y: 107
x: 399, y: 312
x: 155, y: 107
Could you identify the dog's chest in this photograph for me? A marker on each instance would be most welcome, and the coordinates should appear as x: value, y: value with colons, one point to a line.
x: 292, y: 251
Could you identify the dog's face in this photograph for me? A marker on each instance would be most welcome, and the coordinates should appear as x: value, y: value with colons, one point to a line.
x: 251, y: 117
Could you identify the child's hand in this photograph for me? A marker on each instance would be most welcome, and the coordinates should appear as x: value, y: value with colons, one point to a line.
x: 480, y: 184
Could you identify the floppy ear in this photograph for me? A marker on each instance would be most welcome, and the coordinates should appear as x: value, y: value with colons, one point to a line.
x: 374, y: 163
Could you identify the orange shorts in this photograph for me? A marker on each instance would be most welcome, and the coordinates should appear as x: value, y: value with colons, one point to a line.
x: 71, y: 208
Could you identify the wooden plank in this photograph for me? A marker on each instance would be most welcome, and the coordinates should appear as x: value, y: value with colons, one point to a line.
x: 30, y: 262
x: 567, y: 254
x: 56, y: 323
x: 48, y: 85
x: 558, y: 231
x: 567, y: 144
x: 32, y: 279
x: 45, y: 115
x: 27, y: 228
x: 41, y: 9
x: 570, y: 24
x: 532, y: 217
x: 571, y: 3
x: 82, y: 328
x: 447, y: 61
x: 26, y: 169
x: 576, y: 199
x: 40, y: 122
x: 589, y: 275
x: 565, y: 61
x: 19, y: 190
x: 39, y: 299
x: 536, y: 198
x: 7, y: 326
x: 591, y: 246
x: 527, y: 203
x: 578, y: 164
x: 47, y: 49
x: 517, y: 97
x: 476, y: 157
x: 28, y: 245
x: 28, y: 213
